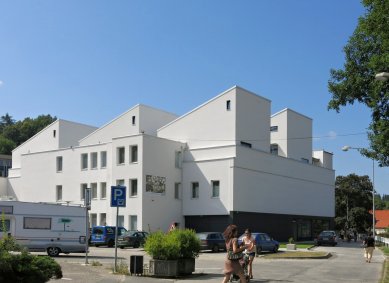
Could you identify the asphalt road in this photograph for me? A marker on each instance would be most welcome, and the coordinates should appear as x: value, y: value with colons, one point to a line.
x: 346, y: 265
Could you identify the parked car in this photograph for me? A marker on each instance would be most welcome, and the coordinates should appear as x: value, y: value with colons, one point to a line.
x: 326, y: 238
x: 213, y: 241
x: 105, y: 235
x: 264, y: 242
x: 132, y: 239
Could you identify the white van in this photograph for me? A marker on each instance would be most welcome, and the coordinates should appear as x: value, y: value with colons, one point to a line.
x: 54, y: 228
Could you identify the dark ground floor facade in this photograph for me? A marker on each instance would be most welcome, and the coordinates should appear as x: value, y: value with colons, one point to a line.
x: 279, y: 226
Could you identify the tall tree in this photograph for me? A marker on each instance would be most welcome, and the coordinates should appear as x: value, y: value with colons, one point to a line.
x: 353, y: 200
x: 367, y: 53
x: 5, y: 121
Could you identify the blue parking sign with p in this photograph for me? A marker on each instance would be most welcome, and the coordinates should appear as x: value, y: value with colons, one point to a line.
x: 118, y: 196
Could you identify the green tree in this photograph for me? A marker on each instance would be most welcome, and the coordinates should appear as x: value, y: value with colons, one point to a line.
x: 14, y: 133
x: 367, y: 53
x: 353, y: 200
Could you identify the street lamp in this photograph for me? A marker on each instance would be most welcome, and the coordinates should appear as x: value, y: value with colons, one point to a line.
x: 346, y: 148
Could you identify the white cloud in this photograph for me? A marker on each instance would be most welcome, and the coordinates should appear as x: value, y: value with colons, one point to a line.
x: 332, y: 135
x: 1, y: 83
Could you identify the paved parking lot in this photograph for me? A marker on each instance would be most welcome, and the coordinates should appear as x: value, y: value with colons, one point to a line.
x: 346, y: 265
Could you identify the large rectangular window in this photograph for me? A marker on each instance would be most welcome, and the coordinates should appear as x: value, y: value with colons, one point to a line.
x: 120, y: 155
x: 103, y: 219
x: 37, y: 223
x: 93, y: 187
x: 134, y: 153
x: 82, y: 191
x: 84, y: 161
x: 177, y: 189
x: 93, y: 160
x: 58, y: 193
x: 195, y: 190
x: 177, y: 161
x: 133, y: 222
x: 133, y: 187
x: 215, y: 189
x: 103, y: 190
x: 59, y: 163
x: 103, y: 159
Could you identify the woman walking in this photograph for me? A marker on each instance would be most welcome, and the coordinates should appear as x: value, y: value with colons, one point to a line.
x: 369, y: 244
x: 249, y: 241
x: 231, y: 265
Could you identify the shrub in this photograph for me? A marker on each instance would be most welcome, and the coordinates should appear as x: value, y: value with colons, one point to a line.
x: 179, y: 243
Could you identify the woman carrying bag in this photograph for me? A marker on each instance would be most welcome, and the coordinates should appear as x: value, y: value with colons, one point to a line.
x: 234, y: 254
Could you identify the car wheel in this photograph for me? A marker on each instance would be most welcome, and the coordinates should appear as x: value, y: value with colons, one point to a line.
x: 53, y: 251
x: 215, y: 249
x: 259, y: 250
x: 122, y: 247
x: 136, y: 245
x: 97, y: 245
x: 275, y: 249
x: 111, y: 243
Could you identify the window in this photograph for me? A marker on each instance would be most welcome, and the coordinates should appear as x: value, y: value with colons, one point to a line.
x: 274, y: 149
x: 215, y: 189
x: 133, y: 120
x: 274, y: 129
x: 103, y: 159
x: 134, y: 153
x: 54, y: 133
x: 84, y: 161
x: 103, y: 190
x: 58, y: 193
x: 120, y: 155
x: 6, y: 223
x: 37, y: 223
x: 94, y: 190
x: 120, y: 182
x: 103, y: 219
x: 93, y: 219
x: 120, y: 222
x: 228, y: 105
x: 195, y: 190
x: 82, y: 191
x: 59, y: 163
x: 177, y: 162
x: 133, y: 222
x: 245, y: 144
x: 93, y: 161
x: 133, y: 187
x: 177, y: 189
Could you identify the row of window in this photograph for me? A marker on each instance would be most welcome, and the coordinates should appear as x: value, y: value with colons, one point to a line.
x: 133, y: 189
x: 91, y: 160
x: 101, y: 219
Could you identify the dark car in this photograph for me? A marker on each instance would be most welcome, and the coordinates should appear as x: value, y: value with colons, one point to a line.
x: 264, y: 242
x: 105, y: 235
x: 132, y: 239
x: 326, y: 238
x: 213, y: 241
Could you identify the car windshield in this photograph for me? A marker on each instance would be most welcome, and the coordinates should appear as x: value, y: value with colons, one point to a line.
x: 327, y: 233
x: 202, y: 236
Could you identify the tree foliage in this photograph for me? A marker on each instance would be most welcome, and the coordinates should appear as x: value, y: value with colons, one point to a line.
x: 14, y: 133
x: 367, y: 53
x: 353, y: 200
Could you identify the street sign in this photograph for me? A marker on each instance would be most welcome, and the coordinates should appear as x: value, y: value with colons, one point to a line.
x: 118, y: 196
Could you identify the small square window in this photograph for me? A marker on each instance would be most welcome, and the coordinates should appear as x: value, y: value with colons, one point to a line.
x: 84, y: 161
x: 93, y: 161
x: 273, y: 128
x: 133, y: 187
x: 120, y: 155
x: 103, y: 159
x: 103, y: 190
x: 59, y: 163
x: 133, y: 120
x: 58, y: 193
x: 228, y: 105
x: 134, y: 153
x: 177, y: 189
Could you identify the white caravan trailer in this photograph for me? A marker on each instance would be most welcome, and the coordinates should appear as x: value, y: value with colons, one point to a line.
x: 54, y: 228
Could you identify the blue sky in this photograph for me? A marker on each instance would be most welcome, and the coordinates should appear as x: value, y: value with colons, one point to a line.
x: 89, y: 61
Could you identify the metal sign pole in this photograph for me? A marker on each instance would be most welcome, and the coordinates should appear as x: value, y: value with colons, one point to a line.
x: 116, y: 239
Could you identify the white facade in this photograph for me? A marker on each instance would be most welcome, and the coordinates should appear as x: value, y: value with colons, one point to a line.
x: 209, y: 164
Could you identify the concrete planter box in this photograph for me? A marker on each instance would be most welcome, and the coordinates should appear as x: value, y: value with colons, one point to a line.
x: 171, y: 268
x: 291, y: 247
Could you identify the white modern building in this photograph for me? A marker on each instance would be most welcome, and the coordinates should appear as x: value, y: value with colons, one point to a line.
x: 227, y: 161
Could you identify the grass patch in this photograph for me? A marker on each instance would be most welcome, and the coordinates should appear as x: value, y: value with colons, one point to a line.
x: 96, y: 263
x: 385, y: 272
x: 297, y: 254
x: 122, y: 268
x: 385, y: 250
x: 299, y: 246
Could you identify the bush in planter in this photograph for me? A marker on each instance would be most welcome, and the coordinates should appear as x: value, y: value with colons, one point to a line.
x: 179, y: 243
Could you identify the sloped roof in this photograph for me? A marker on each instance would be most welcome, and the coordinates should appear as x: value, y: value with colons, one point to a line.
x: 382, y: 219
